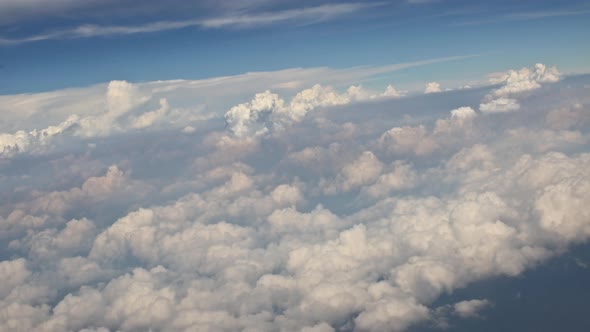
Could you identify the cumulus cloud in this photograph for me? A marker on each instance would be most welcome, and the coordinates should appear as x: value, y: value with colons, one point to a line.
x: 514, y: 83
x: 40, y: 123
x: 421, y: 140
x: 525, y: 79
x: 120, y: 98
x: 408, y: 140
x: 268, y: 112
x: 571, y: 117
x: 330, y: 211
x: 471, y: 308
x: 432, y: 87
x: 22, y: 141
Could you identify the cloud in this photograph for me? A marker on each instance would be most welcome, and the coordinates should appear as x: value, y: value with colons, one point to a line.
x: 121, y: 97
x: 526, y: 15
x: 149, y: 118
x: 14, y: 273
x: 421, y: 141
x: 500, y: 105
x: 321, y: 12
x: 408, y: 139
x: 574, y: 116
x: 515, y: 83
x: 246, y: 20
x: 432, y: 87
x: 471, y: 308
x: 365, y: 170
x: 323, y: 210
x: 267, y: 112
x: 120, y: 106
x: 525, y: 79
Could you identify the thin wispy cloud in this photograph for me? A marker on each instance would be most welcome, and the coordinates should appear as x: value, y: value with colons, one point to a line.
x: 310, y: 14
x: 524, y: 16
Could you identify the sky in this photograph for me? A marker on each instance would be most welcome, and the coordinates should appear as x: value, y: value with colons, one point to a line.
x: 66, y: 43
x: 318, y: 166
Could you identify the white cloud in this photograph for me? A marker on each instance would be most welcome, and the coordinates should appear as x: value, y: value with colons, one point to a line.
x: 147, y: 119
x: 244, y: 20
x: 119, y: 106
x: 121, y: 97
x: 525, y: 79
x: 267, y: 112
x: 432, y: 87
x: 421, y: 141
x: 390, y: 91
x: 13, y: 273
x: 94, y: 189
x: 321, y: 12
x: 514, y: 83
x: 361, y: 172
x: 471, y: 308
x: 22, y: 141
x: 404, y: 140
x: 526, y: 15
x: 500, y: 105
x: 354, y: 215
x: 402, y: 176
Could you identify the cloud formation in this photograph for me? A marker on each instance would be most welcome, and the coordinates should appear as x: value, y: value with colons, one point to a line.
x: 120, y: 106
x: 432, y: 87
x: 351, y: 210
x: 268, y: 112
x: 515, y: 83
x: 525, y: 79
x: 229, y: 20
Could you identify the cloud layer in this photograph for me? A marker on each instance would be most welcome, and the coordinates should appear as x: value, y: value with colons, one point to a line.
x: 350, y: 210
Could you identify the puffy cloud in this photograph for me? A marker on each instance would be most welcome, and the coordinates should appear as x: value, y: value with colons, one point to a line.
x: 432, y: 87
x: 471, y: 308
x: 390, y: 91
x: 404, y: 140
x: 268, y: 112
x: 250, y: 119
x: 500, y: 105
x: 514, y: 83
x: 560, y: 206
x: 22, y: 141
x: 525, y: 79
x: 365, y: 170
x: 147, y: 119
x: 460, y: 122
x: 94, y: 189
x: 422, y: 141
x: 21, y: 317
x: 463, y: 113
x: 402, y: 176
x: 570, y: 117
x: 121, y: 97
x: 356, y: 217
x: 74, y: 239
x: 13, y: 274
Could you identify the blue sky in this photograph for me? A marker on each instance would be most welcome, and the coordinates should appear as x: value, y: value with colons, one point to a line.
x: 66, y: 43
